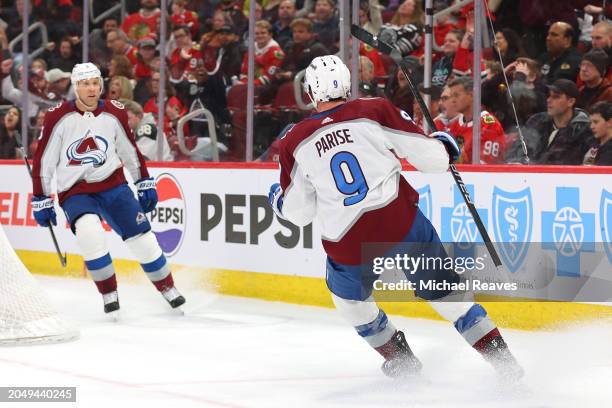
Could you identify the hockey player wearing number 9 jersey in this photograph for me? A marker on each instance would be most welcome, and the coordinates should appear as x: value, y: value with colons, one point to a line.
x: 341, y: 166
x: 86, y: 143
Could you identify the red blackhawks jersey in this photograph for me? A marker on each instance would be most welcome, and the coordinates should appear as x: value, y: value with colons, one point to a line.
x: 492, y: 139
x: 181, y: 67
x: 86, y: 150
x: 136, y: 25
x: 267, y: 62
x: 341, y: 166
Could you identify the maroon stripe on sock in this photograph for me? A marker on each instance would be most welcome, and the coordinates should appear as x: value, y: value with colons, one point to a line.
x: 107, y: 285
x: 164, y: 284
x: 481, y: 345
x: 389, y: 349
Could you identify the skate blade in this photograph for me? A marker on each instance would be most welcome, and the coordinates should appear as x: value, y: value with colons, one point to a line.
x: 113, y: 316
x: 178, y: 311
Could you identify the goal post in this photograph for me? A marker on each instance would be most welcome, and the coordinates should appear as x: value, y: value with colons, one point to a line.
x: 26, y: 313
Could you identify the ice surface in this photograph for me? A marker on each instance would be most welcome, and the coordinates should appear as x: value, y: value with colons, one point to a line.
x: 235, y: 352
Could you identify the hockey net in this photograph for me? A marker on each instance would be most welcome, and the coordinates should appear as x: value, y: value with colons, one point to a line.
x: 26, y: 314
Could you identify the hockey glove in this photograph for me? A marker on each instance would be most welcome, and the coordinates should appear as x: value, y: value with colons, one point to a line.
x: 44, y: 211
x: 275, y: 198
x: 453, y: 149
x: 147, y: 195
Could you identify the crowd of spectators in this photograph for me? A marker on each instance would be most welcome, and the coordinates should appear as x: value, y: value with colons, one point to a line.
x: 545, y: 75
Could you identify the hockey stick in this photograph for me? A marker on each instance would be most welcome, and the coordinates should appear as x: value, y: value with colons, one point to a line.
x: 62, y: 258
x: 383, y: 47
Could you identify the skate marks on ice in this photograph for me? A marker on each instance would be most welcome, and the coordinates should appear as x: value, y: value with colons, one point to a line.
x: 248, y: 353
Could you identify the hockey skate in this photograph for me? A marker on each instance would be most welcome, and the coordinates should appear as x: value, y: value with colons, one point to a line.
x: 400, y: 361
x: 174, y: 298
x: 111, y: 303
x: 496, y: 352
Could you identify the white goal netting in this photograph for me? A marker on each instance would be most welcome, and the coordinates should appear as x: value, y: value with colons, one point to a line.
x: 26, y: 314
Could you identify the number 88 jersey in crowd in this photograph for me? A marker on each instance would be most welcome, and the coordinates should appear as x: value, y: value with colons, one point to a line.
x: 341, y: 166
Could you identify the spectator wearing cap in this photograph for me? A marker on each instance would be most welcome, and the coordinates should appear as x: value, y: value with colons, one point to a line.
x: 600, y: 153
x: 301, y: 50
x: 326, y: 24
x: 595, y: 86
x: 282, y: 26
x: 99, y: 53
x: 143, y: 22
x: 562, y: 134
x: 232, y: 11
x: 561, y: 60
x: 182, y: 16
x: 146, y: 54
x: 184, y: 58
x: 119, y: 43
x: 58, y: 83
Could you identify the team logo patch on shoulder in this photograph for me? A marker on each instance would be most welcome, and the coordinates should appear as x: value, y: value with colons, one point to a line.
x: 118, y: 104
x: 488, y: 119
x: 326, y: 120
x: 51, y: 109
x: 278, y: 54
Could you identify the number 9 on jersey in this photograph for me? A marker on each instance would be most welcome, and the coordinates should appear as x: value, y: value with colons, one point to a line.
x: 349, y: 177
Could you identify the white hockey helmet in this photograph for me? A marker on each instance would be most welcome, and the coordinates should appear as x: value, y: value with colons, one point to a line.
x: 327, y: 78
x: 86, y: 70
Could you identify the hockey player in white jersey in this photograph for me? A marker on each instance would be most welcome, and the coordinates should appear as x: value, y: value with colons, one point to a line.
x: 341, y: 166
x: 87, y: 143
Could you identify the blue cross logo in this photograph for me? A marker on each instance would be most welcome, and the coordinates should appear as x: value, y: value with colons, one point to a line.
x: 458, y: 225
x: 568, y: 232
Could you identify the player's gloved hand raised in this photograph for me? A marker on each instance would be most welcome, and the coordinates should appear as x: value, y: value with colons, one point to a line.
x: 453, y: 149
x: 44, y: 211
x: 147, y: 194
x: 275, y: 198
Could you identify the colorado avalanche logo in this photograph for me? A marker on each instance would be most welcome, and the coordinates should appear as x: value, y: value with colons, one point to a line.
x: 605, y: 220
x: 168, y: 219
x: 425, y: 201
x: 89, y: 150
x: 512, y: 221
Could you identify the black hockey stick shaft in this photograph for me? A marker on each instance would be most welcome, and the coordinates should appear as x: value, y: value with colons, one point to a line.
x: 62, y: 258
x: 395, y: 55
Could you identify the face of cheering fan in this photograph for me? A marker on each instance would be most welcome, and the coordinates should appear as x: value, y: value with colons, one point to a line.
x: 89, y: 90
x: 11, y: 119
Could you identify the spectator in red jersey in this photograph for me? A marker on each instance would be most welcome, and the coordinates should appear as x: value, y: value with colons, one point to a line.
x: 144, y: 21
x: 492, y: 138
x: 184, y: 58
x: 183, y: 17
x: 119, y: 43
x: 268, y: 55
x: 146, y: 54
